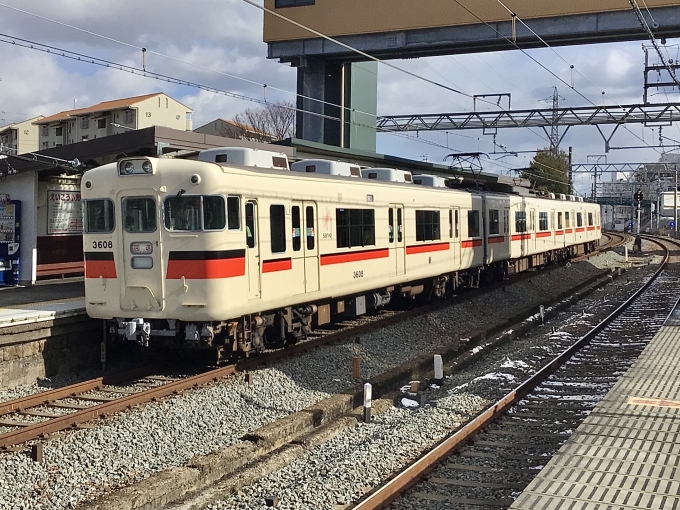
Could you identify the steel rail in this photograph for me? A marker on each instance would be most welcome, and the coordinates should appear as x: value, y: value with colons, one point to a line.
x: 382, y: 496
x: 64, y: 422
x: 67, y: 421
x: 46, y: 397
x: 71, y: 420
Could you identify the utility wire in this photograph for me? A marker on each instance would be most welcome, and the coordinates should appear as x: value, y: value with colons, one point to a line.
x: 15, y: 41
x: 197, y: 66
x: 645, y: 27
x: 368, y: 56
x: 538, y: 62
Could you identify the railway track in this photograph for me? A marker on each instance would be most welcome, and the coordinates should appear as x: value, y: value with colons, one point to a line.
x: 487, y: 462
x: 40, y: 415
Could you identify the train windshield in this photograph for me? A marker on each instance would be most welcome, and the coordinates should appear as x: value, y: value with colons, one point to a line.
x: 139, y: 214
x: 186, y: 212
x: 99, y: 216
x: 183, y: 213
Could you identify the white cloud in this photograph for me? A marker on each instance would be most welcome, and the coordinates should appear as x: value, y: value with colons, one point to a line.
x: 226, y: 36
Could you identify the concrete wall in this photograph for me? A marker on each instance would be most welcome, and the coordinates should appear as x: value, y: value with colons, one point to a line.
x: 44, y: 349
x: 346, y: 17
x: 24, y: 187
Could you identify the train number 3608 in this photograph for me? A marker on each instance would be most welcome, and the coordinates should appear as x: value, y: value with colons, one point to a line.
x: 102, y: 244
x: 358, y: 274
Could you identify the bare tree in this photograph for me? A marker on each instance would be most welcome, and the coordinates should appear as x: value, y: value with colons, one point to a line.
x: 275, y: 121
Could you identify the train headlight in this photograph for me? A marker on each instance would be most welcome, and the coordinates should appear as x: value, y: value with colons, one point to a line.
x: 141, y: 248
x: 141, y: 166
x: 141, y: 262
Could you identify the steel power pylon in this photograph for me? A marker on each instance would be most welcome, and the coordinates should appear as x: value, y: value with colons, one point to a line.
x: 554, y: 135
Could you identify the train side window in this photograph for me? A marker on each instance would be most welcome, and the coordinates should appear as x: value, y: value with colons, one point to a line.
x: 542, y: 221
x: 473, y: 223
x: 590, y: 219
x: 455, y: 222
x: 277, y: 228
x: 214, y: 217
x: 520, y: 221
x: 139, y: 214
x: 450, y: 223
x: 494, y: 222
x: 234, y: 213
x: 567, y: 220
x: 355, y: 227
x: 579, y: 219
x: 390, y: 219
x: 427, y: 226
x: 400, y: 228
x: 552, y: 220
x: 297, y: 241
x: 559, y: 221
x: 250, y: 224
x: 309, y: 212
x: 99, y: 216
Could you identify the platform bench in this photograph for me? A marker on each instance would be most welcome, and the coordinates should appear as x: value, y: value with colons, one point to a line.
x: 62, y: 268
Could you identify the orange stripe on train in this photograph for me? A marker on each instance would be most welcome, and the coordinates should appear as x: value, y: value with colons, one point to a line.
x: 97, y: 268
x: 272, y: 266
x: 426, y: 248
x: 355, y: 256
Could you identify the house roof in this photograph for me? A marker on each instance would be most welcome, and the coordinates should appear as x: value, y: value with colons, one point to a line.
x: 15, y: 124
x: 115, y: 104
x: 245, y: 127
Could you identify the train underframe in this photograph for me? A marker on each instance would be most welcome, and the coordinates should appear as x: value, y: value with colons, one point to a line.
x: 275, y: 329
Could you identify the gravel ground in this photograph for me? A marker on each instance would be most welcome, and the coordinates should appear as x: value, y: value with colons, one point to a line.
x: 337, y: 472
x: 131, y: 446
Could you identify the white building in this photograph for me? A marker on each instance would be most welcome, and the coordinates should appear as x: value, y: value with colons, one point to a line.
x: 113, y: 117
x: 21, y: 137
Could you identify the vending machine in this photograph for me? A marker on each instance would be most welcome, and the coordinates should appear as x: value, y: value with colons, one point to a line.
x: 10, y: 238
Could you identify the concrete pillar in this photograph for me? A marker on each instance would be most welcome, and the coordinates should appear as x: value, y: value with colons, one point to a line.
x: 342, y: 89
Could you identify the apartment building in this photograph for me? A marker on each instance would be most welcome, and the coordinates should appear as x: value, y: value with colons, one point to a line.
x: 21, y: 137
x: 113, y: 117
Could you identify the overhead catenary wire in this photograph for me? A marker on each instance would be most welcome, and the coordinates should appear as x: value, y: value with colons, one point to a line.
x: 175, y: 59
x: 15, y: 41
x: 513, y: 43
x: 354, y: 111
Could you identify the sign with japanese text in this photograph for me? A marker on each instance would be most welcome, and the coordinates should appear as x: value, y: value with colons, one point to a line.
x: 64, y: 212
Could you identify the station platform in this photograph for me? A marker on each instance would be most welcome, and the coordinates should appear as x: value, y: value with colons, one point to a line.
x: 626, y: 453
x: 45, y: 301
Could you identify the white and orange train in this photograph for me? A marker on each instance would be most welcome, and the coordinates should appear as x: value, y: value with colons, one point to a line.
x: 242, y: 252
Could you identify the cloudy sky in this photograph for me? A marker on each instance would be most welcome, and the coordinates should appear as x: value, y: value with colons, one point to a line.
x: 218, y: 43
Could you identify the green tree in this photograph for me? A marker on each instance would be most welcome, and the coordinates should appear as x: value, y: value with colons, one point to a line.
x: 549, y: 172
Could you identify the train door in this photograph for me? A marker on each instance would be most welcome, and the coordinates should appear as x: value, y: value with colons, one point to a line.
x: 311, y: 248
x: 252, y: 250
x: 532, y: 230
x: 397, y: 237
x: 142, y: 286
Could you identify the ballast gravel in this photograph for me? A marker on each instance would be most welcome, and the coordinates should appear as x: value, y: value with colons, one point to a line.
x: 85, y: 464
x: 338, y: 472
